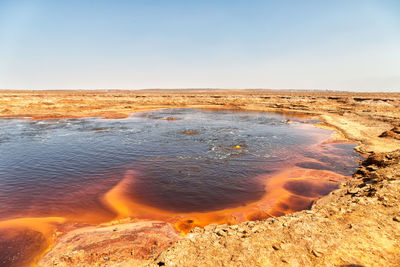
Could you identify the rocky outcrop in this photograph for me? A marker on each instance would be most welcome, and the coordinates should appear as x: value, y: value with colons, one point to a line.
x: 130, y: 243
x: 393, y: 133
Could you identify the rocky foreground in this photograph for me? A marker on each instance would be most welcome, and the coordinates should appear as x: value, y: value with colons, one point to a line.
x: 355, y: 225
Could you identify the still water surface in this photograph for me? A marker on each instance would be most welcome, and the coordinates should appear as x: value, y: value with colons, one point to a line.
x: 188, y: 160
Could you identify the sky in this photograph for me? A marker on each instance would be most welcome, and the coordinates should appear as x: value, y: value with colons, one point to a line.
x: 349, y: 45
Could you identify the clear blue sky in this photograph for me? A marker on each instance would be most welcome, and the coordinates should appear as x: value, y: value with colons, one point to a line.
x: 342, y: 44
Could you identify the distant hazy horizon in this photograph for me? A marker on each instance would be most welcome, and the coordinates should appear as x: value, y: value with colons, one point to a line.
x: 342, y: 45
x: 201, y: 89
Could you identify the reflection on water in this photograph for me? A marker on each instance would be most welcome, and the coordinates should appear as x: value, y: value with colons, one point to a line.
x: 181, y: 165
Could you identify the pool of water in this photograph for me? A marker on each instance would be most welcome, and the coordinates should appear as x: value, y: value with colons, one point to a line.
x: 172, y: 163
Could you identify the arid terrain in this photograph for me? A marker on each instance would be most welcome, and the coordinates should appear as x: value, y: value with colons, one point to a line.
x: 355, y: 225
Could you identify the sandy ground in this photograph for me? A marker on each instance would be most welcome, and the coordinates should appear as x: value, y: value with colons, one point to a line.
x: 356, y: 225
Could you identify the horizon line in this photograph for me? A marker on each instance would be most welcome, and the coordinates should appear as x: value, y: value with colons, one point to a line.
x: 204, y: 88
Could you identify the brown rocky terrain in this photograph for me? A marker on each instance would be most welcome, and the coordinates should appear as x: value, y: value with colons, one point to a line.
x: 355, y: 225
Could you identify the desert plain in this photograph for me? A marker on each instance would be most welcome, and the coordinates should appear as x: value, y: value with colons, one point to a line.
x: 357, y: 224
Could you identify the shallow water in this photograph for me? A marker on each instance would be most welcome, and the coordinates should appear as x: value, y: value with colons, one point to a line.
x: 165, y: 163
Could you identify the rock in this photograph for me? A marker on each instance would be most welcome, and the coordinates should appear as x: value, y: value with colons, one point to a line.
x: 191, y: 132
x: 256, y: 228
x: 210, y: 227
x: 396, y: 129
x: 276, y: 247
x: 316, y: 253
x: 221, y: 233
x: 393, y: 133
x: 334, y: 210
x: 190, y: 236
x: 234, y: 227
x: 196, y: 230
x: 251, y: 224
x: 171, y: 119
x: 353, y: 191
x: 372, y: 168
x: 396, y: 218
x: 242, y: 230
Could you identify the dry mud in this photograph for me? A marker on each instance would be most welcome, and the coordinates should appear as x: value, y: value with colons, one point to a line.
x: 355, y: 225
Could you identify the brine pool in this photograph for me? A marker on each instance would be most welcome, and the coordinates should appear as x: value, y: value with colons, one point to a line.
x: 188, y: 167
